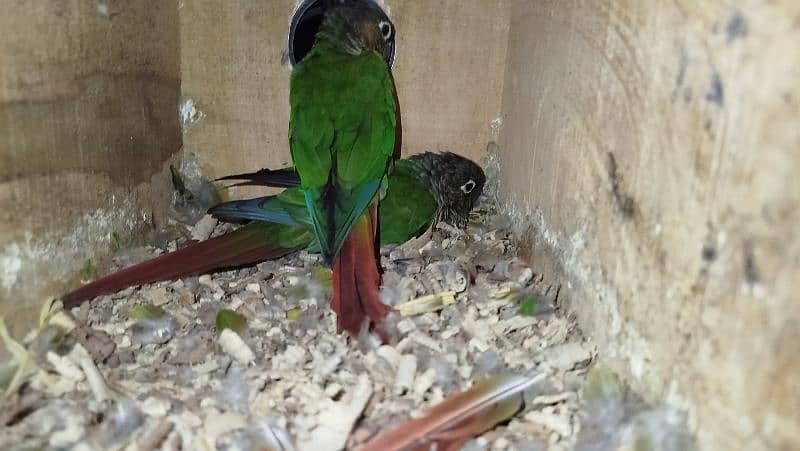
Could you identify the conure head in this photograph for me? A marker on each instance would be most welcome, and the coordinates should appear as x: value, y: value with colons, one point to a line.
x: 455, y: 182
x: 356, y: 27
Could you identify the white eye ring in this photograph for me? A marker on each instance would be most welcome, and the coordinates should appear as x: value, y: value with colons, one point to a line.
x: 468, y: 187
x: 386, y: 29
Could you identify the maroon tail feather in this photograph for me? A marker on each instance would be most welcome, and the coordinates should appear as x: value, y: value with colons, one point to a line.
x: 243, y: 246
x: 356, y: 280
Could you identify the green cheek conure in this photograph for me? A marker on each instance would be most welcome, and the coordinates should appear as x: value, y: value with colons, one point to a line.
x: 342, y: 138
x: 422, y: 189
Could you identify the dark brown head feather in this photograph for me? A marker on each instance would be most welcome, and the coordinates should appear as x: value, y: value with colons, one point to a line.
x: 355, y: 27
x: 456, y: 183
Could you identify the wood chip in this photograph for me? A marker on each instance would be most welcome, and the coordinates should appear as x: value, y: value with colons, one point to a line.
x: 234, y: 346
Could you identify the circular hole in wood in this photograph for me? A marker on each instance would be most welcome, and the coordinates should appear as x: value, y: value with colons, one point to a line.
x: 305, y: 24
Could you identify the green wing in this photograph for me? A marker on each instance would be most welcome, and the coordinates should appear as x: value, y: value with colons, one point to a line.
x: 408, y: 207
x: 405, y: 212
x: 342, y: 135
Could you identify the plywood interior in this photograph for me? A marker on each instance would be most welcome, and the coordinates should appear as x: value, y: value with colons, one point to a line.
x: 90, y: 94
x: 448, y: 70
x: 648, y: 152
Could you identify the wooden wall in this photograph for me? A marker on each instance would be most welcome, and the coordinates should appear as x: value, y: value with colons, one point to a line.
x: 651, y: 153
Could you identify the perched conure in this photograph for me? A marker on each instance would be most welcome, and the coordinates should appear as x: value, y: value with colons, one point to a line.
x: 422, y: 189
x: 342, y: 138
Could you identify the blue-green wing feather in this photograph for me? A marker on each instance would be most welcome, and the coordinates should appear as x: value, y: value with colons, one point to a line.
x: 287, y: 208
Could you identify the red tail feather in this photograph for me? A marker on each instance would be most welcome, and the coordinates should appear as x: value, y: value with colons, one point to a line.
x: 355, y: 278
x: 246, y: 245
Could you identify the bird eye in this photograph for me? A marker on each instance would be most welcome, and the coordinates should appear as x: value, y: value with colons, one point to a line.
x: 468, y: 187
x: 386, y: 29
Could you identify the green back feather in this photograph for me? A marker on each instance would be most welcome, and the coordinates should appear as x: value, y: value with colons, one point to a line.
x: 342, y: 136
x: 408, y: 207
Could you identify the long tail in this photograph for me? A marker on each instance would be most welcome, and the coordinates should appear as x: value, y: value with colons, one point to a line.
x: 252, y: 243
x: 355, y: 278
